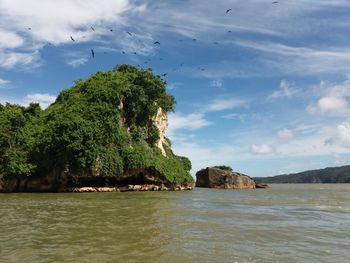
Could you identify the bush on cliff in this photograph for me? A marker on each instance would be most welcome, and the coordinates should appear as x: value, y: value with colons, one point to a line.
x: 101, y: 126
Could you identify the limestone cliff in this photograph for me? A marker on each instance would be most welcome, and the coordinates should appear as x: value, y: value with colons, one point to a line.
x: 160, y: 120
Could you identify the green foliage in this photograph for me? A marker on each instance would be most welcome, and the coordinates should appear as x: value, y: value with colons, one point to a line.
x: 224, y: 167
x: 153, y: 134
x: 16, y: 138
x: 109, y: 163
x: 101, y: 126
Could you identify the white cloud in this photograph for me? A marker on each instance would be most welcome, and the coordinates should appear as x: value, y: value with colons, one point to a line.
x: 216, y: 83
x: 19, y: 60
x: 139, y: 42
x: 56, y: 21
x: 301, y: 60
x: 285, y: 90
x: 44, y: 99
x: 77, y: 62
x: 191, y: 121
x: 28, y: 25
x: 341, y: 136
x: 3, y: 82
x: 10, y: 40
x: 339, y: 159
x: 285, y: 134
x: 329, y: 105
x: 225, y: 104
x: 235, y: 116
x: 261, y: 149
x: 333, y: 101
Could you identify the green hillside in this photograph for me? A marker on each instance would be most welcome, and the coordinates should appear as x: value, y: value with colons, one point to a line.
x: 327, y: 175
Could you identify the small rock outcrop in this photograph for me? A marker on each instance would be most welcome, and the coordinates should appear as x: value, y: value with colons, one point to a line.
x: 218, y: 178
x: 261, y: 185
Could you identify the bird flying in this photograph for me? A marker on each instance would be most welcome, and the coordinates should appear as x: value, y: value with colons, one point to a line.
x: 156, y: 43
x: 129, y: 33
x: 92, y: 53
x: 93, y: 29
x: 275, y: 2
x: 228, y: 10
x: 72, y: 38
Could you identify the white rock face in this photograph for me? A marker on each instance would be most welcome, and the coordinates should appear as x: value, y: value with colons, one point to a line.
x: 161, y: 122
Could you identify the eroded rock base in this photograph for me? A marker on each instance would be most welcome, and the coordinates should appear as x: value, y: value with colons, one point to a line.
x: 129, y: 188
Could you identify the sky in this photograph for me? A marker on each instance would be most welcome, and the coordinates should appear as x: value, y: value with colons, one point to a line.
x: 263, y: 87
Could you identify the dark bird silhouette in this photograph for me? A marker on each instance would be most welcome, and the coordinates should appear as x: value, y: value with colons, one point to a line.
x: 134, y: 53
x: 111, y: 30
x: 93, y: 29
x: 92, y: 53
x: 164, y: 74
x: 229, y: 31
x: 29, y: 28
x: 228, y: 10
x: 72, y: 38
x: 193, y: 39
x: 275, y: 2
x: 123, y: 52
x: 129, y: 33
x: 156, y: 43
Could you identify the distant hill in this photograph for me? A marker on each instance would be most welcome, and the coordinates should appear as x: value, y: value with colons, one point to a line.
x: 327, y: 175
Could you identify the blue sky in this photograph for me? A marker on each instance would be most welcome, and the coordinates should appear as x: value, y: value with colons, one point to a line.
x: 264, y: 88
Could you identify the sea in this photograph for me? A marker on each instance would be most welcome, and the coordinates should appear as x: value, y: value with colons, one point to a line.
x: 285, y: 223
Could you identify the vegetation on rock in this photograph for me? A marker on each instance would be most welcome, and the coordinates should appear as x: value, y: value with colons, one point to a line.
x: 224, y: 167
x: 101, y: 126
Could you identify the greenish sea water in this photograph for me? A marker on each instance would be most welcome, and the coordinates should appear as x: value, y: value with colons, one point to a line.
x: 286, y: 223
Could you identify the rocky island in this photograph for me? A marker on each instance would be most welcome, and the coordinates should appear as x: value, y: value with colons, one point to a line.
x: 106, y: 133
x: 223, y: 177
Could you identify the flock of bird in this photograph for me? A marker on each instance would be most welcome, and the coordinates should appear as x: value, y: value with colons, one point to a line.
x: 155, y: 43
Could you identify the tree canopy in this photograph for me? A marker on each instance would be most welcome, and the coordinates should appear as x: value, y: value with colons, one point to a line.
x: 102, y: 126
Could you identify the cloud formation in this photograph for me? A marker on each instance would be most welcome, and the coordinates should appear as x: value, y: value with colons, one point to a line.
x: 225, y: 104
x: 3, y: 82
x: 286, y: 90
x: 216, y: 83
x: 341, y: 136
x: 333, y: 101
x: 190, y: 122
x: 261, y: 149
x: 285, y: 134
